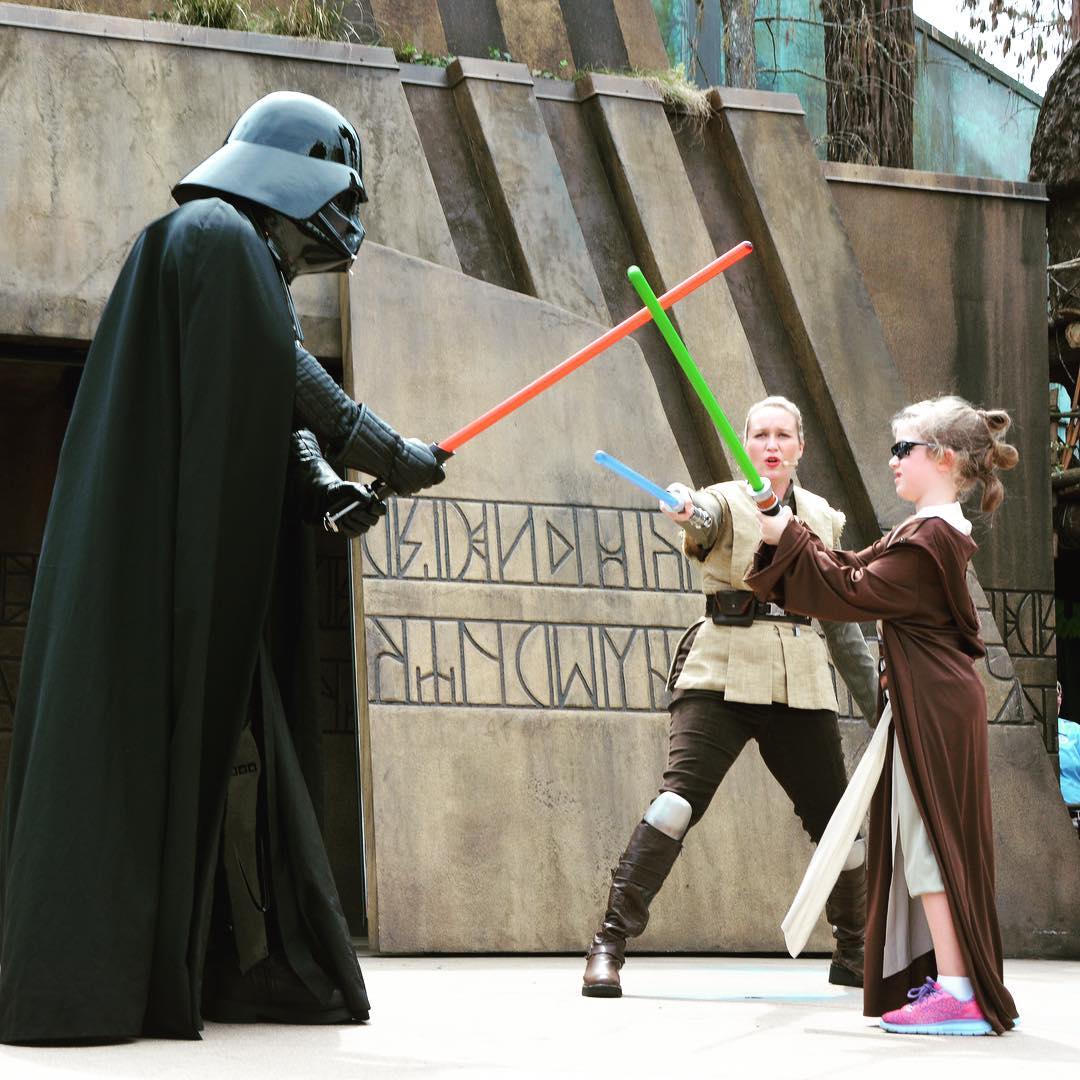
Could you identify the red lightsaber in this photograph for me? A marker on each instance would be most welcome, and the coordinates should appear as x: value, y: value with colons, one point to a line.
x: 444, y: 449
x: 583, y: 356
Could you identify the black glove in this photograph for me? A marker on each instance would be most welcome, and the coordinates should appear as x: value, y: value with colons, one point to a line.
x: 355, y: 437
x: 365, y: 508
x: 317, y: 492
x: 414, y: 468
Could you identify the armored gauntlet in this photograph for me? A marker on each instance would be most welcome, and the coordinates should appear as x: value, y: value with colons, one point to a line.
x: 355, y: 437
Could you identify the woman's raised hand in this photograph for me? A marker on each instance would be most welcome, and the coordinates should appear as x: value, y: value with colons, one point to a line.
x: 680, y: 491
x: 773, y: 526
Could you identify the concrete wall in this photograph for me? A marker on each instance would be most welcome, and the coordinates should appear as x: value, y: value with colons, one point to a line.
x: 956, y: 300
x: 165, y: 114
x: 520, y: 684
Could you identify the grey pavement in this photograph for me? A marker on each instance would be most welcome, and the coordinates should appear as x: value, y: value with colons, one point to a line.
x: 524, y: 1017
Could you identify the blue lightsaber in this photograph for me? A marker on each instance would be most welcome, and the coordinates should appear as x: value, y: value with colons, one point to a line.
x: 701, y: 518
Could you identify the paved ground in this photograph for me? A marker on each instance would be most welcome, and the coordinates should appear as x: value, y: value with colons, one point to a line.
x: 681, y: 1018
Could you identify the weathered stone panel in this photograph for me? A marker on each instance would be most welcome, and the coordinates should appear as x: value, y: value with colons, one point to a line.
x: 961, y: 290
x: 524, y: 185
x: 168, y: 107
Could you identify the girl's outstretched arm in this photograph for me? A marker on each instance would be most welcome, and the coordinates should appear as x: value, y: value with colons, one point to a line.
x: 808, y: 578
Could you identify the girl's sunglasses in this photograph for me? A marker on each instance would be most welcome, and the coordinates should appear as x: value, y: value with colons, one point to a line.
x: 904, y: 447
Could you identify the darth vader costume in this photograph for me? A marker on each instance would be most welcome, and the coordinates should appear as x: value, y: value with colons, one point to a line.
x: 160, y: 859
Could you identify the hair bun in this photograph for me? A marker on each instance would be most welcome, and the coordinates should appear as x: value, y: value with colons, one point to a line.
x: 1005, y: 455
x: 997, y: 421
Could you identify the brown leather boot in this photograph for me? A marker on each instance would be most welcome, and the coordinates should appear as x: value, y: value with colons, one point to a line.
x: 846, y: 911
x: 644, y: 866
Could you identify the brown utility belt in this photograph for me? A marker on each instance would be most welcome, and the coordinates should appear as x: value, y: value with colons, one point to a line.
x: 738, y: 607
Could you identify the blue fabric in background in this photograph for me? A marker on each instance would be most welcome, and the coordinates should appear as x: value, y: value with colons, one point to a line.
x: 1069, y: 760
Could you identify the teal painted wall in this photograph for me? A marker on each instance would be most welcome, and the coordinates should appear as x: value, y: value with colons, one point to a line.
x: 969, y: 118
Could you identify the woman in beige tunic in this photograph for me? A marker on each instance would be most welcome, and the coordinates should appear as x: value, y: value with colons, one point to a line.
x: 747, y: 670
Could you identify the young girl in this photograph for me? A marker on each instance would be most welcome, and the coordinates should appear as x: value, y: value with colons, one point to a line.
x: 930, y: 825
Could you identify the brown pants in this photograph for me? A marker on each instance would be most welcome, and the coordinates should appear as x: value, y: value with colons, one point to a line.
x: 800, y: 747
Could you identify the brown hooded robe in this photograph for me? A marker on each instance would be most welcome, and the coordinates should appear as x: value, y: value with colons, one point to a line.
x: 913, y: 580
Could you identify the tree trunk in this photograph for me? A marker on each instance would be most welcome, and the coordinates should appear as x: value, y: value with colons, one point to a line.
x: 740, y: 54
x: 1055, y: 161
x: 870, y: 80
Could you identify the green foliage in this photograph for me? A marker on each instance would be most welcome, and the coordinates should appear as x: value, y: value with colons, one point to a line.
x: 219, y: 14
x: 309, y: 19
x: 672, y: 84
x: 408, y: 53
x: 303, y: 18
x: 679, y: 92
x: 495, y: 53
x: 544, y: 73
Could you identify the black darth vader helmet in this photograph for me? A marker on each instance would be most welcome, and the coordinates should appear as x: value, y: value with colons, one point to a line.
x: 297, y: 161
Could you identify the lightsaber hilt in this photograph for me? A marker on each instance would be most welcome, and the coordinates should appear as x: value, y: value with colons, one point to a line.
x: 701, y: 518
x: 760, y: 488
x: 378, y: 488
x: 766, y: 499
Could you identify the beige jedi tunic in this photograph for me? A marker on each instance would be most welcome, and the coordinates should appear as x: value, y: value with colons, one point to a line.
x: 768, y: 661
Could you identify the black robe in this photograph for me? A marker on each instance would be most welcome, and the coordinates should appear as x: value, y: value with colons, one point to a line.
x: 914, y: 581
x: 148, y: 619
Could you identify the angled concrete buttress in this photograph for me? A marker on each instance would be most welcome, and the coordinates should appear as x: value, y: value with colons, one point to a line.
x: 524, y: 185
x: 410, y: 22
x: 535, y: 33
x: 671, y: 240
x: 818, y: 287
x: 645, y: 50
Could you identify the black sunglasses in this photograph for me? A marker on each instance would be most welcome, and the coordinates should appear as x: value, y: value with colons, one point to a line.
x: 904, y: 447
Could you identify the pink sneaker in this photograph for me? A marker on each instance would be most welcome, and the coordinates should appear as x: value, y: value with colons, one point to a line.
x: 934, y: 1011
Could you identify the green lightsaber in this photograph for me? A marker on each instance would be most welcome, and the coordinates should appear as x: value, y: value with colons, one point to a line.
x: 760, y: 487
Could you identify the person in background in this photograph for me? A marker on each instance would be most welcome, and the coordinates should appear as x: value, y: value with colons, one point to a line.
x: 1069, y: 762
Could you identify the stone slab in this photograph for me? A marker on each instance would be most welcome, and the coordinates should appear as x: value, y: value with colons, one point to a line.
x: 525, y: 186
x: 477, y: 239
x: 410, y: 22
x: 472, y: 27
x: 1035, y: 844
x: 751, y: 291
x: 523, y: 816
x: 169, y: 106
x: 961, y: 291
x: 595, y: 34
x: 535, y: 34
x: 611, y: 253
x: 816, y: 282
x: 641, y: 35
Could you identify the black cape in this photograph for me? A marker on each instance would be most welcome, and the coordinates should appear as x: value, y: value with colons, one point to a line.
x: 149, y: 615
